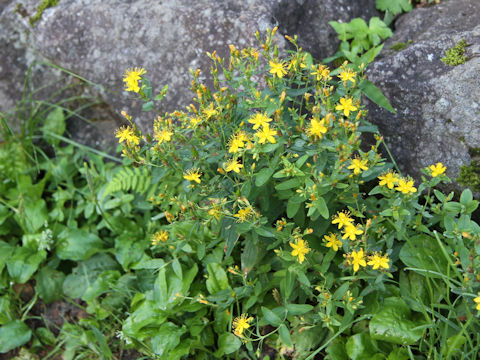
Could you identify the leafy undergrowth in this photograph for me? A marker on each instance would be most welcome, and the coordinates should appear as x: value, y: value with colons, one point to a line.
x: 250, y: 226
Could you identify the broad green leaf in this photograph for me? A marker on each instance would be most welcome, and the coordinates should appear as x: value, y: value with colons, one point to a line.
x: 298, y: 309
x: 78, y: 244
x: 13, y: 335
x: 166, y: 339
x: 293, y: 205
x: 289, y: 184
x: 148, y: 106
x: 217, y: 278
x: 398, y: 354
x: 394, y: 323
x: 361, y: 347
x: 378, y: 31
x: 322, y: 207
x: 270, y: 317
x: 177, y: 268
x: 6, y: 310
x: 374, y: 94
x: 394, y: 6
x: 55, y: 124
x: 422, y: 252
x: 36, y: 214
x: 336, y: 350
x: 24, y: 262
x: 466, y: 197
x: 285, y: 335
x: 249, y: 256
x: 454, y: 344
x: 49, y: 284
x: 263, y: 176
x: 227, y: 344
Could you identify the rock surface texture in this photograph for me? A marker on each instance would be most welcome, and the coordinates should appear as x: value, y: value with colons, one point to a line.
x: 438, y: 106
x: 99, y: 40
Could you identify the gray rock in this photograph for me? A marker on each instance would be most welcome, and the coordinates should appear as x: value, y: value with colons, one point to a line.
x: 309, y: 20
x: 438, y: 106
x: 99, y: 40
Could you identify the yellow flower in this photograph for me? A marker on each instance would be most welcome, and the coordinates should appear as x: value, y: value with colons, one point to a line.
x: 194, y: 122
x: 321, y: 72
x: 241, y: 323
x: 215, y: 212
x: 357, y: 259
x: 437, y: 169
x: 159, y: 236
x: 233, y: 165
x: 236, y: 143
x: 358, y: 165
x: 126, y: 133
x: 332, y: 241
x: 317, y: 128
x: 258, y: 120
x: 243, y: 214
x: 266, y: 134
x: 378, y: 261
x: 163, y: 135
x: 277, y: 68
x: 192, y: 175
x: 351, y: 231
x: 390, y: 179
x: 300, y: 249
x: 405, y: 186
x: 347, y: 74
x: 342, y: 219
x: 477, y: 301
x: 132, y: 77
x: 346, y: 105
x: 210, y: 111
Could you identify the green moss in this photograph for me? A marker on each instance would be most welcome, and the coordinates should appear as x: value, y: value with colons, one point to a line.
x: 456, y: 55
x: 400, y: 46
x: 45, y: 4
x: 470, y: 176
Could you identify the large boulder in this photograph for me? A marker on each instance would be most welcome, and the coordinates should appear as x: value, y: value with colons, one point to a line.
x: 438, y: 106
x: 99, y: 40
x: 309, y: 20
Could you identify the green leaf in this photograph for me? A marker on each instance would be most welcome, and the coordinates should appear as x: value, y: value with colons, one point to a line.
x: 54, y: 124
x: 398, y: 354
x: 249, y: 256
x: 24, y: 262
x: 393, y: 323
x: 394, y: 6
x: 148, y: 106
x: 227, y: 344
x: 270, y: 317
x: 285, y: 335
x: 78, y: 244
x: 13, y: 335
x: 217, y: 278
x: 293, y: 205
x: 49, y: 284
x: 454, y: 344
x: 166, y: 338
x: 336, y: 350
x: 291, y: 183
x: 378, y: 31
x: 361, y: 347
x: 374, y: 94
x: 263, y: 176
x: 36, y: 214
x: 6, y: 310
x: 422, y: 252
x: 466, y: 197
x: 322, y: 207
x: 298, y: 309
x: 177, y: 268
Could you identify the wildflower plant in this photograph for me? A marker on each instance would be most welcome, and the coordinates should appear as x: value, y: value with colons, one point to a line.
x: 274, y: 209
